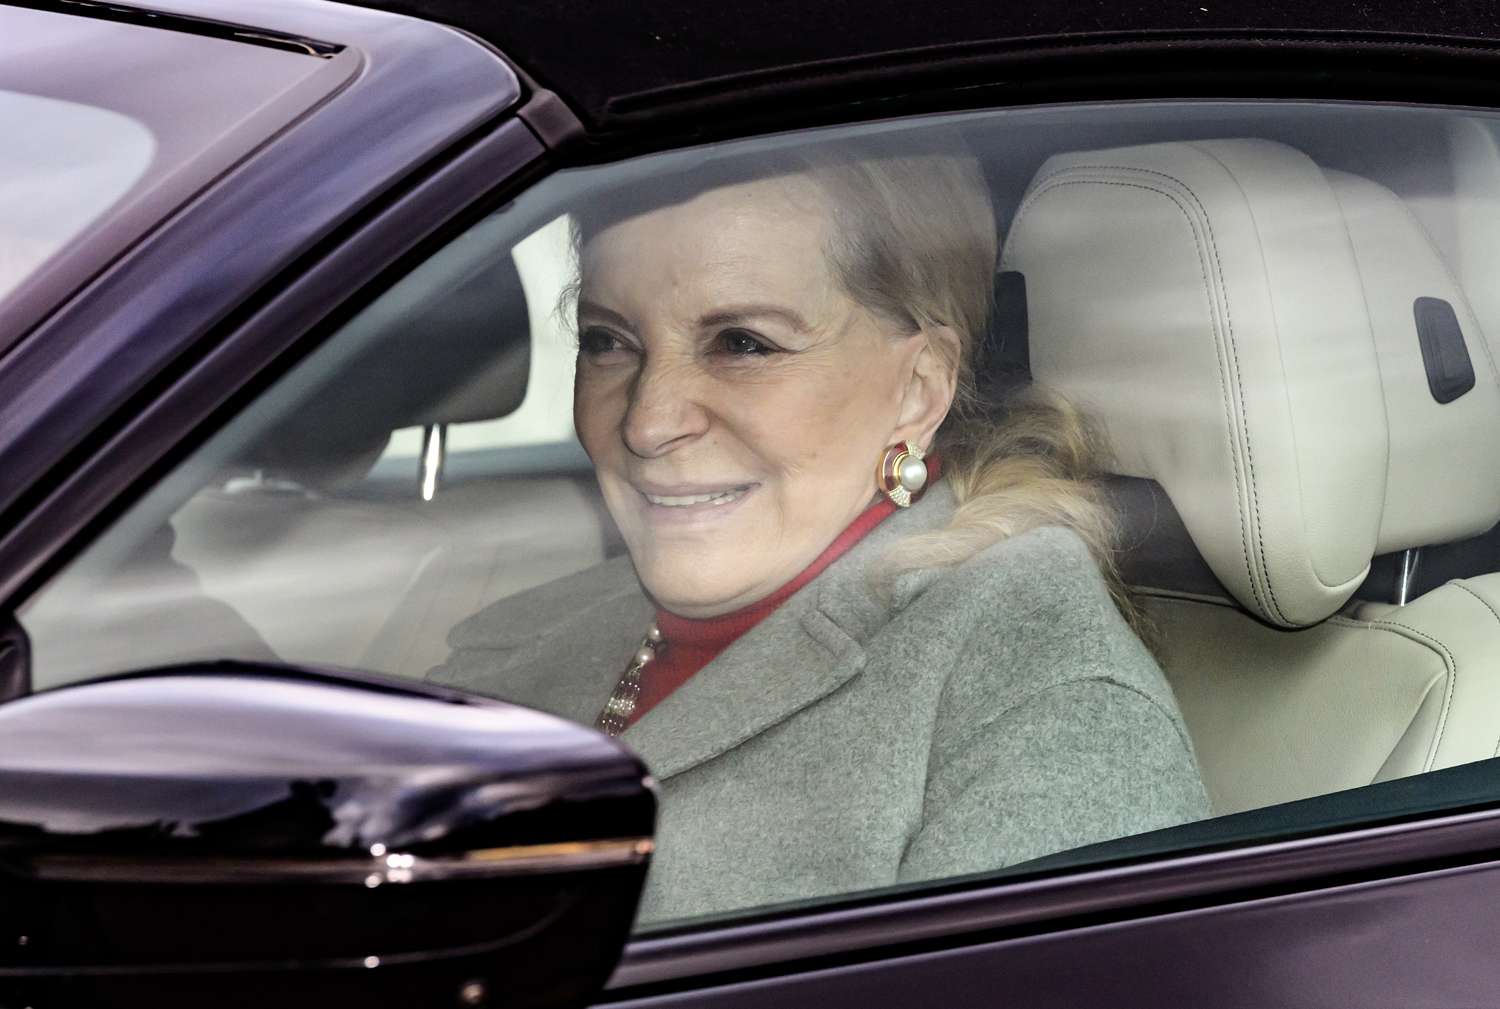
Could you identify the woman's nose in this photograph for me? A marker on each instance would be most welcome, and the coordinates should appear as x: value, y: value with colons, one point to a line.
x: 665, y: 411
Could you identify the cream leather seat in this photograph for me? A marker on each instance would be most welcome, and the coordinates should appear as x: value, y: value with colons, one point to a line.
x: 1245, y: 328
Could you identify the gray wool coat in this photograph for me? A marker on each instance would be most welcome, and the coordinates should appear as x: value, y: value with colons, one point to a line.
x: 973, y: 718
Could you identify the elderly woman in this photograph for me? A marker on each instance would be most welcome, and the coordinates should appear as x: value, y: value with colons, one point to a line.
x: 864, y: 634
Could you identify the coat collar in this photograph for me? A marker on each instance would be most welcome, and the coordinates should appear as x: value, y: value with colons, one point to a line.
x: 804, y: 650
x: 559, y: 648
x: 807, y: 648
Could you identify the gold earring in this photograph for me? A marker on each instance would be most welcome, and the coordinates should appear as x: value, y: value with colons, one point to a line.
x: 902, y: 474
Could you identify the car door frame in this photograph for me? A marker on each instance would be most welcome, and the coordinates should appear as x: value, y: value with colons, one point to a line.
x: 1422, y: 936
x: 1244, y: 910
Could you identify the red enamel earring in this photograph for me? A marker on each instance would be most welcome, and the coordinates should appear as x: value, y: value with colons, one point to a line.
x: 902, y: 474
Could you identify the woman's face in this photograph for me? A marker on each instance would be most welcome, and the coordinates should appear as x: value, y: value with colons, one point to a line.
x: 734, y: 401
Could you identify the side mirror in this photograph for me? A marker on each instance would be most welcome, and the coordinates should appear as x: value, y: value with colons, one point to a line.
x: 224, y: 834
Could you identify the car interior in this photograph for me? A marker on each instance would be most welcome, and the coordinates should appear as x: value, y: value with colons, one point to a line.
x: 1280, y: 389
x: 1275, y: 315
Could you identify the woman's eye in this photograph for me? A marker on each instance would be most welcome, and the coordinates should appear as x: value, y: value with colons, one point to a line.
x: 742, y: 343
x: 596, y: 340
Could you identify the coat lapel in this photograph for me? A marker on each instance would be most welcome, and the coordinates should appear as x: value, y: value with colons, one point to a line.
x: 805, y: 650
x: 559, y: 649
x: 791, y: 659
x: 550, y: 652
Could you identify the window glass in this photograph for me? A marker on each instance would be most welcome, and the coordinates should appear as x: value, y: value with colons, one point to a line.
x: 918, y: 500
x: 98, y: 151
x: 64, y: 165
x: 544, y: 420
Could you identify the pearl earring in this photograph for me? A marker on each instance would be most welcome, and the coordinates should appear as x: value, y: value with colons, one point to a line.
x: 902, y: 474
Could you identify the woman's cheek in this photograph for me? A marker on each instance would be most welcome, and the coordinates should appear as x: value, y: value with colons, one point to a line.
x: 597, y: 409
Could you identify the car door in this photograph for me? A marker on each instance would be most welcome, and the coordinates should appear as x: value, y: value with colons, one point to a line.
x: 1314, y: 902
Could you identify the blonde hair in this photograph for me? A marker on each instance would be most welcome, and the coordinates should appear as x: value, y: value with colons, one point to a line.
x: 917, y: 242
x: 914, y: 240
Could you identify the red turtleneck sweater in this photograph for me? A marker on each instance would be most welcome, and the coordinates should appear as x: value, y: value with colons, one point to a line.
x: 689, y: 645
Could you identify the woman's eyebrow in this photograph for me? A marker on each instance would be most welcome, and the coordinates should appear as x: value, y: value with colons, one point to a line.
x: 742, y: 313
x: 593, y: 311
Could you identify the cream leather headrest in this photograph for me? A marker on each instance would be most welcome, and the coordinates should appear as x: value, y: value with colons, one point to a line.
x: 1240, y: 324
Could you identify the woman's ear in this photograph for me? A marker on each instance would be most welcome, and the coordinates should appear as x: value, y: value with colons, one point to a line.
x: 931, y: 386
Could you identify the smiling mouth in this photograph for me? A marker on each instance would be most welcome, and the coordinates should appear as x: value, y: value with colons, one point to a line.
x: 713, y: 499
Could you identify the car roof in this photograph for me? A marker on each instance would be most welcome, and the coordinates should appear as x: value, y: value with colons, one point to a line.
x: 620, y: 65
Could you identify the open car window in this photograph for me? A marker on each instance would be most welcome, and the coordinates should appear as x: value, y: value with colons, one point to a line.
x: 935, y: 499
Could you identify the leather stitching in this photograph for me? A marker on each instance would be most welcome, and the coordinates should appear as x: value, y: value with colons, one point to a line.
x: 1450, y: 661
x: 1260, y: 541
x: 1254, y: 486
x: 1364, y: 298
x: 1273, y: 606
x: 1337, y: 586
x: 1493, y: 613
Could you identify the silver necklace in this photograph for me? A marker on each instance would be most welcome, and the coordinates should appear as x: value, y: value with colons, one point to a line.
x: 621, y: 704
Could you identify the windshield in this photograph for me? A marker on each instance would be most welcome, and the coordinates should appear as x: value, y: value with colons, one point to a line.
x: 104, y: 143
x: 63, y: 165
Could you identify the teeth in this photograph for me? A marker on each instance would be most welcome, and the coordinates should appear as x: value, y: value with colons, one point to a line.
x: 688, y: 500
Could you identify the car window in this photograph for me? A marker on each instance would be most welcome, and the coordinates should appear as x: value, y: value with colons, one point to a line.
x: 97, y: 152
x: 68, y: 168
x: 918, y: 500
x: 542, y: 425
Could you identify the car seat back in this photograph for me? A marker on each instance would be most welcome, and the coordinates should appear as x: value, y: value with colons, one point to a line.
x: 1284, y: 352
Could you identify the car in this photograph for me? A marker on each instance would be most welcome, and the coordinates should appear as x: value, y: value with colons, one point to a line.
x: 285, y: 400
